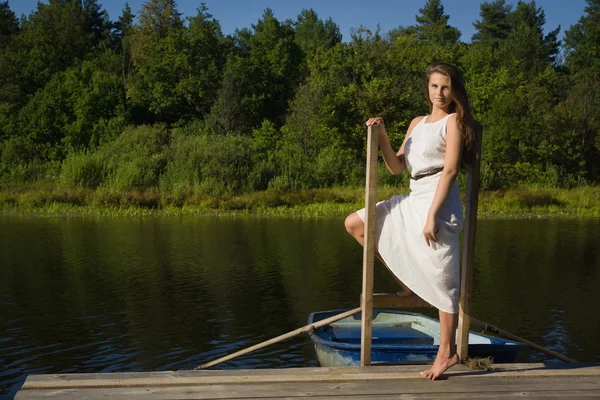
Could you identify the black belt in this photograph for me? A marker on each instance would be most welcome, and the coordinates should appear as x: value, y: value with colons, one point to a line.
x: 428, y: 173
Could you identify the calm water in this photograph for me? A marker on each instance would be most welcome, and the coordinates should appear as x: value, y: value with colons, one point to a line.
x: 104, y: 295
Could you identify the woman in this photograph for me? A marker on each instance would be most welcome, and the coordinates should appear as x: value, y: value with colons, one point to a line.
x: 417, y: 234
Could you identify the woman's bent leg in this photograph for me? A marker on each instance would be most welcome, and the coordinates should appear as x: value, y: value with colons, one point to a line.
x: 356, y: 228
x: 446, y: 356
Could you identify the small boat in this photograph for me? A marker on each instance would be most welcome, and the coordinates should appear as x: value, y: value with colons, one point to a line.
x: 398, y: 337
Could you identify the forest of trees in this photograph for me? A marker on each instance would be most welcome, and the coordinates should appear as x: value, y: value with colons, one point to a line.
x: 155, y: 100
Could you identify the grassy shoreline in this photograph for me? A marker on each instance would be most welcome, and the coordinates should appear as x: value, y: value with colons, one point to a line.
x: 519, y: 202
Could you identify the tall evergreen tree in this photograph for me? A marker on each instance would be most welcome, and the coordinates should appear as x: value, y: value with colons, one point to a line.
x: 494, y: 25
x: 207, y: 55
x: 581, y: 42
x: 312, y: 33
x: 9, y: 24
x: 527, y: 41
x: 121, y: 36
x: 157, y: 54
x: 122, y: 27
x: 432, y: 25
x: 582, y: 105
x: 97, y: 22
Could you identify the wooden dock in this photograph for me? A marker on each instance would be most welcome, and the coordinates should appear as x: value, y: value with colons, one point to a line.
x: 506, y: 381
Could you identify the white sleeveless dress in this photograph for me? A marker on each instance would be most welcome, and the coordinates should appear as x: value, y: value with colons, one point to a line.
x: 430, y: 272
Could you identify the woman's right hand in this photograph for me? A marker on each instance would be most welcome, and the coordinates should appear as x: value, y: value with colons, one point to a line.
x: 375, y: 121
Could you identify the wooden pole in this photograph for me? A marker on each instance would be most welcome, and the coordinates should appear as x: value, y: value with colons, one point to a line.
x: 508, y: 335
x: 468, y: 256
x: 366, y: 303
x: 288, y: 335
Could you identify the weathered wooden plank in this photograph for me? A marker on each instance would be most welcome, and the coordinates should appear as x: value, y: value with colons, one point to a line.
x: 393, y: 301
x: 577, y: 394
x: 369, y: 246
x: 468, y: 256
x: 483, y: 387
x: 297, y: 375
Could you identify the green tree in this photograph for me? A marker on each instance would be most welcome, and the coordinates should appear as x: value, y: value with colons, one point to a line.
x: 432, y: 25
x: 176, y: 70
x: 527, y: 43
x: 160, y: 17
x: 78, y: 109
x: 122, y: 27
x: 121, y: 40
x: 97, y: 22
x: 208, y: 52
x: 494, y: 25
x: 311, y: 33
x: 9, y: 24
x: 233, y: 108
x: 582, y: 53
x: 274, y: 57
x: 53, y: 38
x: 260, y: 79
x: 580, y: 110
x: 10, y: 91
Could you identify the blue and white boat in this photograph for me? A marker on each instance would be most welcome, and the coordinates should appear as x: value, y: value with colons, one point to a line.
x: 398, y: 337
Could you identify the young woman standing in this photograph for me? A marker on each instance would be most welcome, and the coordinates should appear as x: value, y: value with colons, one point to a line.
x: 417, y: 234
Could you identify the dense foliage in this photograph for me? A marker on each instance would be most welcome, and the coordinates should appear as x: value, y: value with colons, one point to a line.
x: 155, y: 100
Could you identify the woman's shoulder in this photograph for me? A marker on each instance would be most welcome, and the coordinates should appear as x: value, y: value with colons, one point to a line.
x: 414, y: 123
x: 418, y: 119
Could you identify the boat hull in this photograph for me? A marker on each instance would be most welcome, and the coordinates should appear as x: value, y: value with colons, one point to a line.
x: 396, y: 341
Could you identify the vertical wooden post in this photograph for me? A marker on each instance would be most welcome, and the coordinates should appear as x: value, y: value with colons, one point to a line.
x: 369, y: 246
x: 468, y: 256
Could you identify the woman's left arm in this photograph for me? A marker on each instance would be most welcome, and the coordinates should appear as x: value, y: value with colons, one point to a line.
x: 451, y: 166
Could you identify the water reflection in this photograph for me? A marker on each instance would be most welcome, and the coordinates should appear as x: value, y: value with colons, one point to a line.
x: 103, y: 295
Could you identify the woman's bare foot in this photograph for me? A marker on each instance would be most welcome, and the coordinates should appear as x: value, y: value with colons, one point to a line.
x: 443, y: 361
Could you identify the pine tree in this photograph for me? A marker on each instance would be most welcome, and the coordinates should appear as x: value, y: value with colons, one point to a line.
x: 122, y: 27
x: 207, y: 56
x: 120, y: 40
x: 495, y: 25
x: 9, y: 24
x: 581, y: 42
x: 527, y: 43
x: 97, y: 22
x: 432, y: 25
x: 312, y: 33
x: 583, y: 60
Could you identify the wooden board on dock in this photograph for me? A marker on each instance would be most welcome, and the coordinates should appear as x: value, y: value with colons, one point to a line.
x: 561, y: 381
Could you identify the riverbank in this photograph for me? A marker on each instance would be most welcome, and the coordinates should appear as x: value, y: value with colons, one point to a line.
x: 520, y: 202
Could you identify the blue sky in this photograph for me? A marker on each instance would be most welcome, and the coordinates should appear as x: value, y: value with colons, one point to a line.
x: 389, y: 14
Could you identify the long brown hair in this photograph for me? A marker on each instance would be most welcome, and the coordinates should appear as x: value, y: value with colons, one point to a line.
x: 468, y: 127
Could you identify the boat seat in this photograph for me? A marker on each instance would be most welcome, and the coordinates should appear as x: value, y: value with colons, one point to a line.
x: 390, y: 334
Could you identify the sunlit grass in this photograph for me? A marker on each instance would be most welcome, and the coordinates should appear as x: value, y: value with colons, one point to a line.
x: 523, y: 202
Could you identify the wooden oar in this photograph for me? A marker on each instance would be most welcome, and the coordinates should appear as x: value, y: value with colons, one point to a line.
x: 486, y: 327
x: 288, y: 335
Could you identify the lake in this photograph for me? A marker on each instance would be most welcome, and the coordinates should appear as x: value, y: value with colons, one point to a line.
x: 106, y: 295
